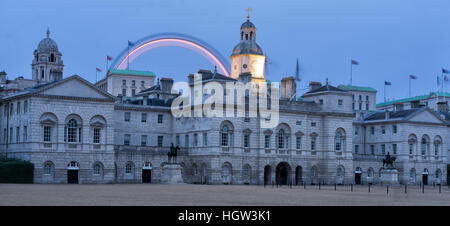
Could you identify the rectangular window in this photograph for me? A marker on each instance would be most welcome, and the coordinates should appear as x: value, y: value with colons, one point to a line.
x: 25, y: 106
x: 246, y: 140
x: 340, y: 102
x: 127, y: 116
x: 17, y: 134
x: 10, y: 135
x: 267, y: 141
x: 372, y: 130
x: 313, y: 124
x: 411, y: 149
x: 205, y: 139
x: 372, y: 149
x: 160, y: 119
x: 186, y: 140
x: 18, y: 108
x: 383, y: 149
x: 126, y: 139
x: 144, y: 117
x: 367, y: 106
x: 133, y: 82
x: 394, y: 149
x: 25, y: 133
x: 177, y: 140
x: 96, y: 135
x: 124, y: 82
x: 142, y: 83
x: 5, y: 138
x: 124, y: 92
x: 133, y: 92
x: 144, y: 140
x: 356, y: 130
x: 367, y: 98
x: 47, y: 134
x: 298, y: 142
x: 356, y: 149
x: 298, y: 123
x: 321, y: 101
x: 160, y: 141
x: 360, y: 106
x: 383, y: 129
x: 195, y: 140
x: 11, y: 109
x: 394, y: 128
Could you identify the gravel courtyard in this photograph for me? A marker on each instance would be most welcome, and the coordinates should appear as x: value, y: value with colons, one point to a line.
x: 222, y: 195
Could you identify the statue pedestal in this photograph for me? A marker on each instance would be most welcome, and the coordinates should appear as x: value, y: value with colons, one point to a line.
x: 171, y: 174
x: 389, y: 176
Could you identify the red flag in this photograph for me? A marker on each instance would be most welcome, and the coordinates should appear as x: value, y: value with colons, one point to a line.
x: 98, y: 69
x: 108, y: 58
x: 413, y: 77
x: 355, y: 62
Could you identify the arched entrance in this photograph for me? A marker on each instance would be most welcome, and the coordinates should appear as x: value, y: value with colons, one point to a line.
x: 425, y: 177
x: 298, y: 175
x: 147, y: 173
x: 72, y: 172
x: 267, y: 174
x: 282, y: 173
x: 358, y: 175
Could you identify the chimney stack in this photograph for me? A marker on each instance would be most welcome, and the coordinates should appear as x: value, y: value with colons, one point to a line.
x: 288, y: 88
x: 314, y: 85
x: 166, y: 85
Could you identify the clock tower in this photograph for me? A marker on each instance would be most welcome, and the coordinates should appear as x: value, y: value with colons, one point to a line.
x: 247, y: 56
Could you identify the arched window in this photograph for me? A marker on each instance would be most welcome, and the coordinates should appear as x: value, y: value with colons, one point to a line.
x: 129, y: 169
x: 437, y: 144
x: 338, y: 140
x: 195, y: 169
x: 48, y: 168
x: 370, y: 172
x: 313, y: 172
x: 251, y: 35
x: 97, y: 169
x: 225, y: 136
x: 281, y: 139
x: 424, y: 146
x: 246, y: 170
x: 412, y: 175
x: 73, y: 131
x: 52, y: 57
x: 339, y: 172
x: 438, y: 174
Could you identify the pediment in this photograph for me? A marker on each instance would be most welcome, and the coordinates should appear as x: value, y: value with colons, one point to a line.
x: 74, y: 87
x: 425, y: 116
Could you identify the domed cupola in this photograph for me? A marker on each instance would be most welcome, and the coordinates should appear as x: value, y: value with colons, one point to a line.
x: 47, y: 64
x: 247, y: 55
x: 47, y: 44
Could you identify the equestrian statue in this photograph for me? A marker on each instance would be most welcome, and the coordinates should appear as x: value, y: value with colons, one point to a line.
x: 389, y: 161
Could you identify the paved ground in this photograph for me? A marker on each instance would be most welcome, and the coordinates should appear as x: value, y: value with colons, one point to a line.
x: 156, y: 194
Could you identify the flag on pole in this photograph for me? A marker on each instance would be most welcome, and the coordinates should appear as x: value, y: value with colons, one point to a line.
x: 412, y: 77
x: 98, y: 69
x: 445, y: 71
x: 130, y: 43
x: 108, y: 58
x: 355, y: 62
x: 386, y: 83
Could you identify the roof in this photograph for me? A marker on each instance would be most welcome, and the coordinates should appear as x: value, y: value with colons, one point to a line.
x: 207, y: 75
x: 247, y: 24
x: 423, y: 97
x: 379, y: 115
x: 247, y: 47
x: 357, y: 88
x: 326, y: 88
x: 131, y: 72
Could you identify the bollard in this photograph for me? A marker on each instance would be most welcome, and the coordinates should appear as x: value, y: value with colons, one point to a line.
x: 406, y: 188
x: 434, y: 185
x: 439, y: 188
x: 304, y: 185
x: 319, y: 185
x: 335, y: 186
x: 423, y: 189
x: 290, y: 184
x: 387, y: 189
x: 369, y: 187
x: 351, y: 187
x: 273, y: 184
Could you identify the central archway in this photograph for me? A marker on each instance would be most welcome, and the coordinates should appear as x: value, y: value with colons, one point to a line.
x: 171, y: 39
x: 283, y: 173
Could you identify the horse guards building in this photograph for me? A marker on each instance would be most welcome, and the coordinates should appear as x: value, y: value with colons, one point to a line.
x: 120, y: 129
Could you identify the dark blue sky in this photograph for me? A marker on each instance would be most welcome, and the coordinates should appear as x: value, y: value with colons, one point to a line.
x: 390, y: 38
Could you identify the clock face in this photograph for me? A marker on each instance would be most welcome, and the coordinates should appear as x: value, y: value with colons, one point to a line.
x: 244, y: 66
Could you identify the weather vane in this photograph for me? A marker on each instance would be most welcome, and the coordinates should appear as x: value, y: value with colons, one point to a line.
x: 248, y: 13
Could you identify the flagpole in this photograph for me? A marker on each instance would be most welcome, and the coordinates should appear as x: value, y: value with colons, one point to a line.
x: 96, y: 75
x: 409, y: 86
x: 384, y: 91
x: 351, y: 72
x: 106, y: 69
x: 128, y: 56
